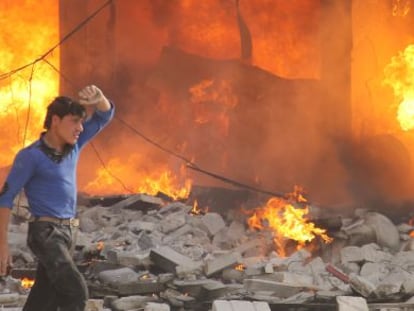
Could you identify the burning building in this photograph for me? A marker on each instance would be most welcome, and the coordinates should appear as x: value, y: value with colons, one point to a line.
x: 262, y: 95
x: 268, y: 93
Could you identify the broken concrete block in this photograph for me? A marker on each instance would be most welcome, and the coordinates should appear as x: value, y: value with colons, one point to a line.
x: 280, y: 290
x: 94, y: 305
x: 222, y: 262
x: 212, y: 223
x: 131, y: 302
x: 172, y: 222
x: 351, y: 254
x: 386, y: 232
x: 239, y: 305
x: 153, y: 306
x: 172, y: 236
x: 115, y: 277
x: 373, y: 253
x: 349, y: 303
x: 138, y: 201
x: 168, y: 259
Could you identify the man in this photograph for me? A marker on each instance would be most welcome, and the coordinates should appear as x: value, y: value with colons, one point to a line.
x: 46, y: 170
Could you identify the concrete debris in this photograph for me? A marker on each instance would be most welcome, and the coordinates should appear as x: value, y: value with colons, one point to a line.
x: 143, y: 253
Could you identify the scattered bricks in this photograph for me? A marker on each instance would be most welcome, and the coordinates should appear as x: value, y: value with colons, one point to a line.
x: 222, y: 262
x: 168, y: 259
x: 138, y: 202
x: 211, y: 291
x: 172, y: 236
x: 196, y: 267
x: 232, y: 275
x: 251, y: 245
x: 239, y: 305
x: 329, y: 295
x: 391, y: 284
x: 386, y: 232
x: 297, y: 261
x: 9, y: 299
x: 374, y: 272
x: 133, y: 259
x: 351, y: 254
x: 140, y: 287
x: 372, y: 252
x: 212, y: 223
x: 115, y: 277
x: 131, y: 302
x: 349, y: 303
x: 175, y: 207
x: 301, y: 297
x: 193, y: 288
x: 145, y: 241
x: 357, y: 283
x: 254, y: 270
x: 361, y: 285
x: 268, y: 268
x: 172, y: 222
x: 408, y: 286
x: 404, y: 260
x: 94, y: 305
x: 153, y: 306
x: 299, y: 279
x: 138, y: 225
x: 236, y: 231
x: 279, y: 289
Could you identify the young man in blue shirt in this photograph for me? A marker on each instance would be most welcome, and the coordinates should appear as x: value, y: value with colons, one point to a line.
x: 46, y: 170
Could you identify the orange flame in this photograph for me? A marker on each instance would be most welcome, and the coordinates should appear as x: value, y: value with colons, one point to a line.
x: 400, y: 7
x: 139, y: 180
x: 196, y: 210
x: 100, y: 245
x: 27, y: 283
x: 286, y: 222
x: 212, y: 100
x: 240, y: 267
x: 26, y: 93
x: 399, y: 74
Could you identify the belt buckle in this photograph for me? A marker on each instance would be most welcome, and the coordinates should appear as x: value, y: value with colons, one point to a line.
x: 74, y: 222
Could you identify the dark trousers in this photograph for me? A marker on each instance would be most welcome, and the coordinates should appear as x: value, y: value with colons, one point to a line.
x: 59, y: 286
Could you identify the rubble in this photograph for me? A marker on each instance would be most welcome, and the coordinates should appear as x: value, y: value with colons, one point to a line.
x: 143, y: 253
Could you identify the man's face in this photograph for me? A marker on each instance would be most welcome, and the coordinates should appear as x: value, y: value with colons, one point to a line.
x: 68, y: 128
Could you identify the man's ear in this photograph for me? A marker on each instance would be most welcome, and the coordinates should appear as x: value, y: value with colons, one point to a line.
x: 55, y: 120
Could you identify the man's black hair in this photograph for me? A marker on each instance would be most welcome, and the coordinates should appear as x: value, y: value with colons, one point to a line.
x: 62, y: 106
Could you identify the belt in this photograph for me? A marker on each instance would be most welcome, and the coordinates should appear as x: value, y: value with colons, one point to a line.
x: 73, y: 222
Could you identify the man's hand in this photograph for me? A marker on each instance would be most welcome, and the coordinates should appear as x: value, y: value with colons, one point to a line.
x: 92, y: 95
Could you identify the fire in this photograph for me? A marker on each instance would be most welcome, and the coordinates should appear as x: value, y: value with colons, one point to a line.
x: 399, y: 74
x: 100, y: 246
x: 212, y: 101
x: 286, y: 222
x: 26, y: 93
x: 27, y: 283
x: 400, y: 7
x: 196, y: 210
x: 240, y: 267
x: 142, y: 180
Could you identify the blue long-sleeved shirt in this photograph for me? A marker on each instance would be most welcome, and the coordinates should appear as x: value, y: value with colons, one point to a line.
x: 50, y: 185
